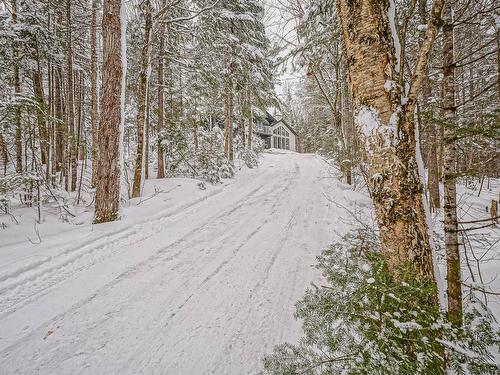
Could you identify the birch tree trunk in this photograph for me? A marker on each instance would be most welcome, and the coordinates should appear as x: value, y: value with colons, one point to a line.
x: 94, y: 110
x: 113, y: 74
x: 386, y: 127
x: 454, y: 280
x: 141, y: 100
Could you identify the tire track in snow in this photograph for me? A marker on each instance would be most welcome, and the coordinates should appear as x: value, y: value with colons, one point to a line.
x: 163, y: 254
x: 159, y: 300
x: 279, y: 203
x: 98, y: 241
x: 18, y: 293
x: 239, y: 337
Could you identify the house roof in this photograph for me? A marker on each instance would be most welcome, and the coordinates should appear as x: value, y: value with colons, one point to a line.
x: 270, y: 118
x: 281, y: 121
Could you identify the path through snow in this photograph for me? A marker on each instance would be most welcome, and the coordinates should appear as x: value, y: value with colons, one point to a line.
x: 203, y: 285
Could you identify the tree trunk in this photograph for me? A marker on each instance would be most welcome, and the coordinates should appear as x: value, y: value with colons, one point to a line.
x: 40, y: 114
x: 161, y: 99
x: 345, y: 160
x: 228, y: 124
x: 17, y: 90
x: 3, y: 157
x: 58, y: 99
x: 250, y: 117
x: 433, y: 169
x: 80, y: 99
x: 50, y: 122
x: 110, y: 122
x: 243, y: 105
x: 141, y: 100
x: 347, y: 127
x: 70, y: 113
x: 94, y: 110
x: 146, y: 143
x: 497, y: 14
x: 431, y: 131
x: 386, y: 127
x: 449, y: 159
x: 228, y: 121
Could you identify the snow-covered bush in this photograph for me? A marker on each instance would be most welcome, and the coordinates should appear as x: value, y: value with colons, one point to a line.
x: 211, y: 163
x: 363, y: 321
x: 176, y: 147
x: 198, y: 155
x: 19, y: 188
x: 249, y: 155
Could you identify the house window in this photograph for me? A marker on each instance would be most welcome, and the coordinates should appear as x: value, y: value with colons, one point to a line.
x: 281, y: 138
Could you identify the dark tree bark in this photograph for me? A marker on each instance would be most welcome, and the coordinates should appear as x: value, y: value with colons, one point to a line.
x: 250, y: 116
x: 108, y: 183
x: 228, y: 124
x: 454, y: 279
x: 431, y: 134
x: 141, y: 101
x: 94, y: 110
x: 80, y: 113
x: 17, y: 90
x: 70, y: 113
x: 497, y: 14
x: 40, y: 115
x: 3, y: 157
x: 228, y: 121
x: 146, y: 135
x: 50, y: 122
x: 60, y: 128
x: 161, y: 98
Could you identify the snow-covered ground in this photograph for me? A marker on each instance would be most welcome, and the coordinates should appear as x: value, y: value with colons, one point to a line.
x: 480, y: 239
x: 190, y: 281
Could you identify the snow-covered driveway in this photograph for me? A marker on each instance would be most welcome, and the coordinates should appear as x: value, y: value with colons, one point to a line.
x: 203, y: 285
